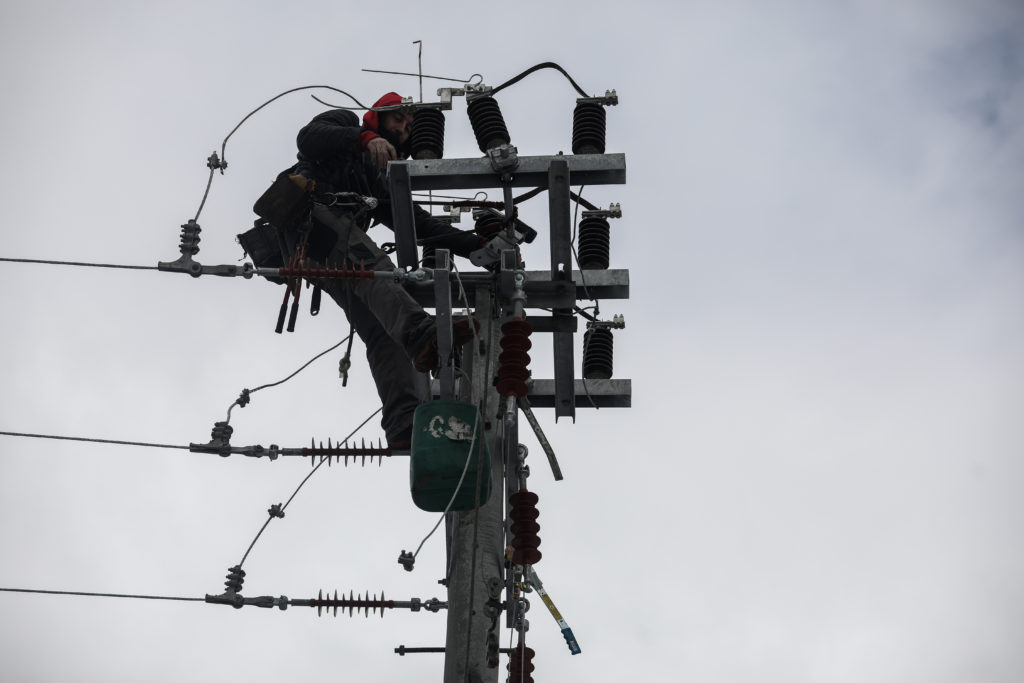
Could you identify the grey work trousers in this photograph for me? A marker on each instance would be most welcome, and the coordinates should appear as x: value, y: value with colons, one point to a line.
x: 391, y: 324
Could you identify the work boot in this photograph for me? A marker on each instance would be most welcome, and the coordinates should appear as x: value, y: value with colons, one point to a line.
x: 462, y: 332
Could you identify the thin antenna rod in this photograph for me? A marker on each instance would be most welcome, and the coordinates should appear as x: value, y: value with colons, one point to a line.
x: 420, y: 43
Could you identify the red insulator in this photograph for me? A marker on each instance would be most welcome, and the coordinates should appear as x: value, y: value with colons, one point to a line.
x: 524, y: 528
x: 514, y: 359
x: 352, y: 602
x: 320, y: 272
x: 520, y: 664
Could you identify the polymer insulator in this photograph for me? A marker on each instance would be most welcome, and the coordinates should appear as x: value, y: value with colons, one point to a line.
x: 488, y: 123
x: 594, y: 244
x: 520, y: 664
x: 343, y: 453
x: 328, y: 273
x: 597, y: 353
x: 588, y: 128
x: 514, y: 359
x: 235, y: 579
x: 354, y: 603
x: 189, y: 245
x: 427, y: 138
x: 524, y: 528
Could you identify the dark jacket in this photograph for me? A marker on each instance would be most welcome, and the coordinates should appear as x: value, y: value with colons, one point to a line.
x: 331, y: 152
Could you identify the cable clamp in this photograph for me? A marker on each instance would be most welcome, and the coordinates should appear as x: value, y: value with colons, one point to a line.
x: 611, y: 98
x: 614, y: 210
x: 213, y: 162
x: 504, y: 159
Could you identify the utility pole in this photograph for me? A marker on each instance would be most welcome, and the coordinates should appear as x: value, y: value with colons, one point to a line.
x: 490, y: 559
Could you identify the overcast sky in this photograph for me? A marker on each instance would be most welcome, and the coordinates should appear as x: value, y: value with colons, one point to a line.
x: 819, y: 479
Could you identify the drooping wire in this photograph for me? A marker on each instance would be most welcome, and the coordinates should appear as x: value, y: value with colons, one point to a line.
x: 244, y: 398
x: 76, y: 263
x: 222, y: 164
x: 542, y: 65
x: 100, y: 595
x: 458, y: 487
x: 301, y: 484
x: 82, y: 438
x: 275, y: 97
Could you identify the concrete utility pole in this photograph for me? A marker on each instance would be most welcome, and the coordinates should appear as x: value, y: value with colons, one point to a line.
x: 481, y: 584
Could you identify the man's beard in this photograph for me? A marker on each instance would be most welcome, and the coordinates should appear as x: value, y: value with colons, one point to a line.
x: 390, y: 136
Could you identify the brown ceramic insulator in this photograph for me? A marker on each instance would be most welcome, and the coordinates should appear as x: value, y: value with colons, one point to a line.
x: 524, y: 528
x: 520, y: 664
x: 514, y: 359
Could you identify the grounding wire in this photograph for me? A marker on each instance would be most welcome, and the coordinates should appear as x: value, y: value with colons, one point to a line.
x: 542, y: 65
x: 76, y: 263
x: 101, y: 595
x: 299, y: 487
x: 465, y: 468
x: 249, y: 392
x: 472, y: 443
x: 81, y: 438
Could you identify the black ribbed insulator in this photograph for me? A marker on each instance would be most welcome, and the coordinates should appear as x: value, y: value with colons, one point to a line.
x: 235, y: 579
x: 488, y: 225
x: 427, y: 139
x: 520, y: 664
x: 524, y: 528
x: 588, y: 126
x: 190, y: 238
x: 597, y: 353
x: 594, y: 244
x: 488, y: 123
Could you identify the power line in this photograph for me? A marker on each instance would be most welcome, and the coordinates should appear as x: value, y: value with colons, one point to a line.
x: 76, y: 263
x: 82, y: 438
x: 101, y: 595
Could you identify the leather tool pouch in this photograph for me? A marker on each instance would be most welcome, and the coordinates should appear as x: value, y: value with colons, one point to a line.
x: 262, y: 243
x: 286, y: 202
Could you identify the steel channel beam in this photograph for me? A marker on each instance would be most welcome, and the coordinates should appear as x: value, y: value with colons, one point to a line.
x: 560, y: 223
x: 403, y: 215
x: 604, y: 393
x: 471, y: 174
x: 443, y: 304
x: 541, y: 290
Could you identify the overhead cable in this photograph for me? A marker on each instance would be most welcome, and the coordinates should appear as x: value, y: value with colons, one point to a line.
x: 101, y: 595
x: 82, y: 438
x: 76, y: 263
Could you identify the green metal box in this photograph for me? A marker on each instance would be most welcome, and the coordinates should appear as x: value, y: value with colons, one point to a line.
x: 442, y: 434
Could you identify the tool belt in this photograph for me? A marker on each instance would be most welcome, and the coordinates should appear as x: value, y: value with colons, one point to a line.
x: 285, y: 221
